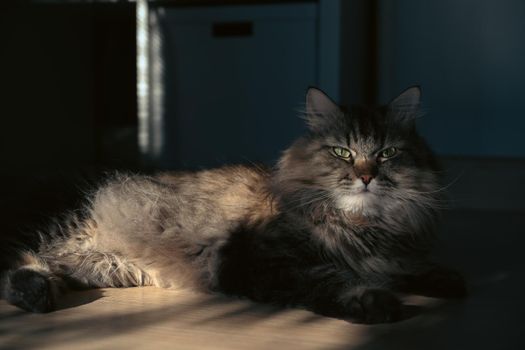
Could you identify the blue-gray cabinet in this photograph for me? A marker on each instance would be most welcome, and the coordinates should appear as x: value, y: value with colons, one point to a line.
x: 228, y: 82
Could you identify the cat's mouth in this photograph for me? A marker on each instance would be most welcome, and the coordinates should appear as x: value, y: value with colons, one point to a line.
x: 364, y: 194
x: 360, y: 191
x: 364, y: 190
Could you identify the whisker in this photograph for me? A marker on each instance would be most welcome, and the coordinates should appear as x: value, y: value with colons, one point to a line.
x: 303, y: 202
x: 444, y: 188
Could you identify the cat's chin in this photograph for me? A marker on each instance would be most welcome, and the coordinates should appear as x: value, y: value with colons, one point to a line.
x: 363, y: 202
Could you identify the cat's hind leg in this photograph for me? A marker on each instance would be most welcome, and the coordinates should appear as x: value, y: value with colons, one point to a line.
x: 95, y: 269
x: 38, y: 282
x: 68, y: 258
x: 32, y: 286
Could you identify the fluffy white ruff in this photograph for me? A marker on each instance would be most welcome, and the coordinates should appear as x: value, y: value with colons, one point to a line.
x: 359, y: 200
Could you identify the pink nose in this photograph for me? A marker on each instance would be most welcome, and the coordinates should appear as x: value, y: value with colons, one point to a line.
x: 366, y: 179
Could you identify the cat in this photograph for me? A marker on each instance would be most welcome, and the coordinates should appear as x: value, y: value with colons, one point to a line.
x: 342, y: 224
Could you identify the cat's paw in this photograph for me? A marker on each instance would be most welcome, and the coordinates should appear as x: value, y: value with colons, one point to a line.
x: 376, y: 306
x: 441, y: 282
x: 29, y: 290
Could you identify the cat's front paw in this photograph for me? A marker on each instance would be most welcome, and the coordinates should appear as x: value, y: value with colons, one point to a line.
x: 29, y: 290
x: 376, y: 306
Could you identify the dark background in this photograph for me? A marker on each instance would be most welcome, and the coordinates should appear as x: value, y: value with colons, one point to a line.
x: 69, y: 101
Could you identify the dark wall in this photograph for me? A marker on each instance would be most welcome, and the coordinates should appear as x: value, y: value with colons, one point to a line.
x: 68, y: 105
x: 468, y: 56
x: 47, y: 87
x: 358, y: 81
x: 68, y: 80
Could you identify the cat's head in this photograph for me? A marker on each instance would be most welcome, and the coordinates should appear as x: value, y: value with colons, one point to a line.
x: 364, y: 161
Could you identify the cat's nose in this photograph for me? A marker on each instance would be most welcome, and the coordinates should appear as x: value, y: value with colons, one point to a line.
x: 366, y: 179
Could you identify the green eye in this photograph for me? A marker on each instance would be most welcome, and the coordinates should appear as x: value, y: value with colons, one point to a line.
x: 388, y: 153
x: 341, y: 152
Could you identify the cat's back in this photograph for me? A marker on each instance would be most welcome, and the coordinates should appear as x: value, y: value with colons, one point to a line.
x: 231, y: 193
x: 164, y: 212
x: 224, y: 197
x: 228, y: 185
x: 218, y: 179
x: 226, y: 193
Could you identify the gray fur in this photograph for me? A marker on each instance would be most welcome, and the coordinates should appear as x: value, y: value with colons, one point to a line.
x: 250, y: 231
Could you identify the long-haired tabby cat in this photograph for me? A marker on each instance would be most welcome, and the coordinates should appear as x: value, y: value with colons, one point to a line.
x: 343, y: 223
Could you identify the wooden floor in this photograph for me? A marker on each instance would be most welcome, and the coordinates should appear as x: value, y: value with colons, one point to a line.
x: 488, y: 247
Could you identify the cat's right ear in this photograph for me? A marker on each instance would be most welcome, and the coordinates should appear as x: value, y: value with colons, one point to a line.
x: 405, y: 108
x: 320, y: 109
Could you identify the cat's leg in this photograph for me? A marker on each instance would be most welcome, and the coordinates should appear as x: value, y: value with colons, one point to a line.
x: 373, y: 305
x: 95, y: 269
x: 37, y: 283
x: 68, y: 258
x: 341, y: 294
x: 31, y: 285
x: 434, y: 281
x: 363, y: 302
x: 325, y: 289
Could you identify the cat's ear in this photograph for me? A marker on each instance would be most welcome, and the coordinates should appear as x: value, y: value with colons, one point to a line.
x: 320, y: 109
x: 405, y: 107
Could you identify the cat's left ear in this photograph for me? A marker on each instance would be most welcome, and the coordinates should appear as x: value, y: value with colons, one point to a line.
x: 320, y: 109
x: 405, y: 107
